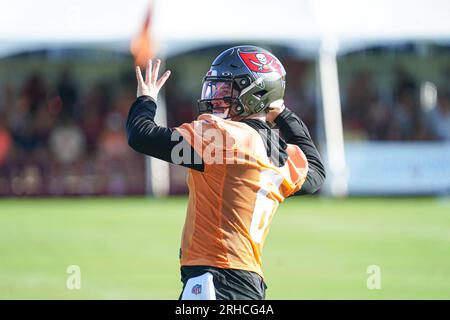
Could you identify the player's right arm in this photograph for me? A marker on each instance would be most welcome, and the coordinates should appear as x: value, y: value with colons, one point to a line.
x: 144, y: 135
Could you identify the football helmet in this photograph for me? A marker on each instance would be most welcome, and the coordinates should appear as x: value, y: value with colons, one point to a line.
x: 242, y: 80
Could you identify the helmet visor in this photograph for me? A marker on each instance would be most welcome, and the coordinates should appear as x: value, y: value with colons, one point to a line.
x: 217, y: 97
x: 218, y: 90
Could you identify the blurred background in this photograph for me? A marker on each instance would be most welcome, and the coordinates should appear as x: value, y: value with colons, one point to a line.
x: 371, y: 79
x: 64, y: 101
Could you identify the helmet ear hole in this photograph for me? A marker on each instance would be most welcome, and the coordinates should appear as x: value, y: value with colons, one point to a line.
x: 259, y: 94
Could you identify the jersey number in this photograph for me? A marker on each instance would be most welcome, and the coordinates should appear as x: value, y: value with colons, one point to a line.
x: 269, y: 181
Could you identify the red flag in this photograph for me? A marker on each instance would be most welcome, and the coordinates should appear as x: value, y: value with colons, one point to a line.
x: 142, y: 47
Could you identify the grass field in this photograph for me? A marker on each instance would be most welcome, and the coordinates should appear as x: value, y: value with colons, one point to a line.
x: 317, y: 248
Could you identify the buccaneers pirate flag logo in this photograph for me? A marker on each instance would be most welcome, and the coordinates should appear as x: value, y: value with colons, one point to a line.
x: 261, y: 62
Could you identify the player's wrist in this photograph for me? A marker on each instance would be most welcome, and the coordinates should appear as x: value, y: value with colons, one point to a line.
x: 145, y: 98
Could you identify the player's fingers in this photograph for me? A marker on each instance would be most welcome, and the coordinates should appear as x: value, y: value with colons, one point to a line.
x: 163, y: 79
x: 139, y: 75
x: 148, y: 71
x: 155, y: 71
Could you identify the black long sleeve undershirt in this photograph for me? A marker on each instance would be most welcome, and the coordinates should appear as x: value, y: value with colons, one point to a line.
x: 145, y: 136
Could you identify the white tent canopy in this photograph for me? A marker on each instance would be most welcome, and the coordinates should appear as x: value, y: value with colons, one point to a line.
x: 300, y: 22
x: 179, y: 25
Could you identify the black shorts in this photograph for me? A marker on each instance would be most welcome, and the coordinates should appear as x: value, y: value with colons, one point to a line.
x: 229, y: 284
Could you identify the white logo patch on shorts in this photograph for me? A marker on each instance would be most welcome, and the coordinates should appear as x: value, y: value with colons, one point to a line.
x: 200, y: 288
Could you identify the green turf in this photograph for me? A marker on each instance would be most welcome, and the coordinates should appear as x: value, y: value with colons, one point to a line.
x: 316, y: 248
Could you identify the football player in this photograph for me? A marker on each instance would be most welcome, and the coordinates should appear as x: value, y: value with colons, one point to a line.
x: 246, y: 152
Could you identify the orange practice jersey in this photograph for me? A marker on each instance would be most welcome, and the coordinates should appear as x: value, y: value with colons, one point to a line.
x: 232, y: 202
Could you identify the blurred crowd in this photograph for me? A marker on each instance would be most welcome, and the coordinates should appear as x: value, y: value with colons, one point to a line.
x: 62, y: 138
x: 57, y: 140
x: 399, y: 115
